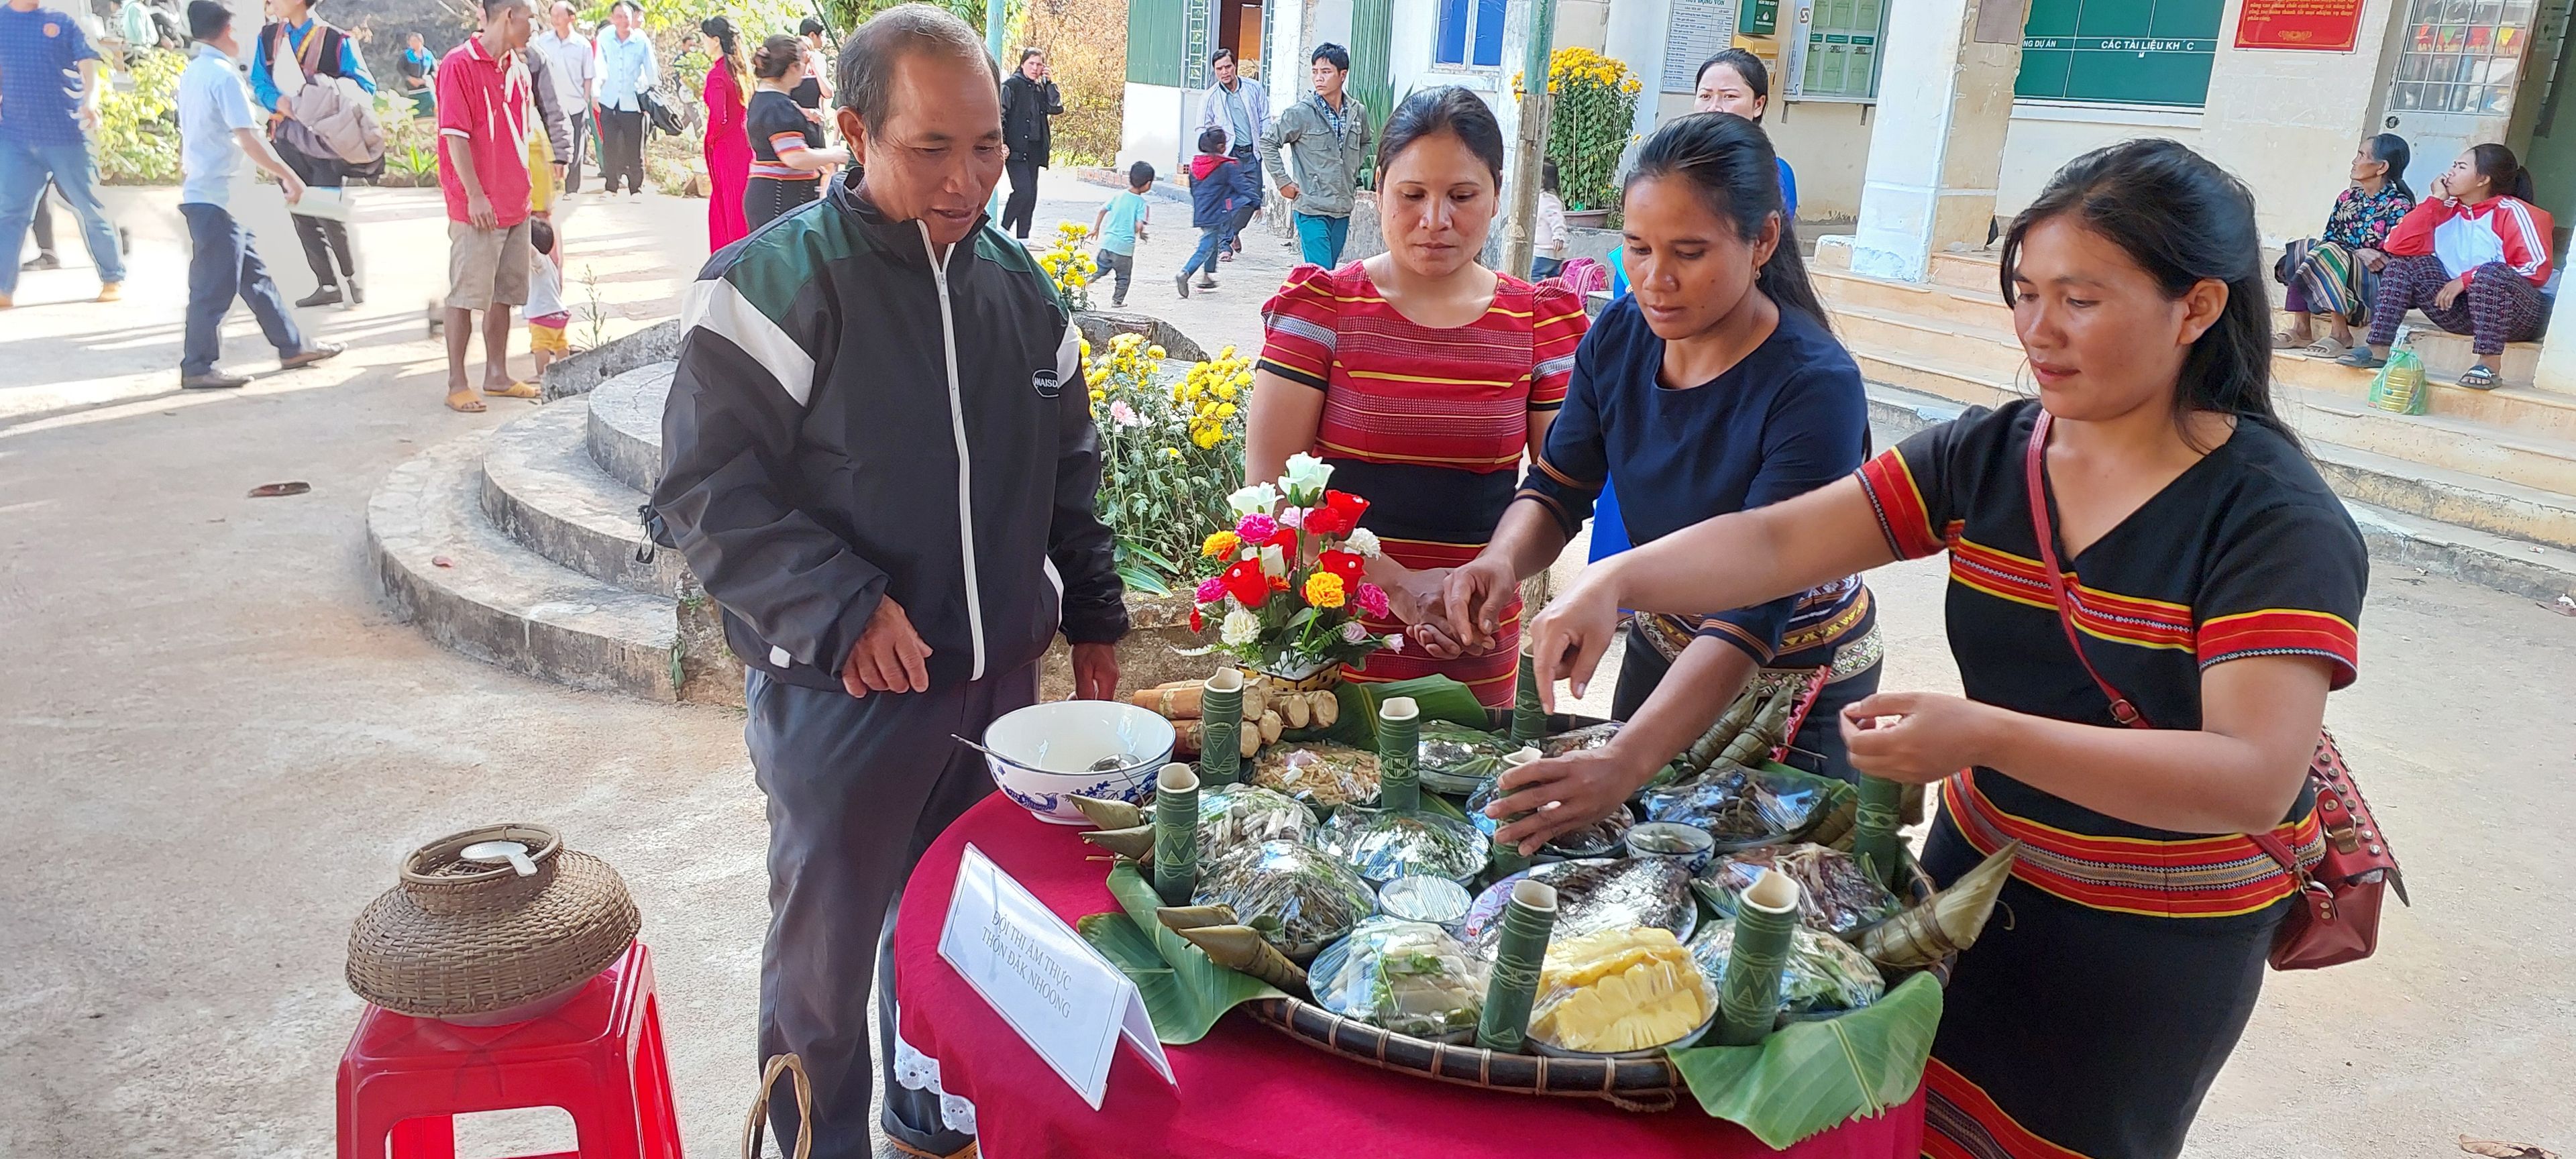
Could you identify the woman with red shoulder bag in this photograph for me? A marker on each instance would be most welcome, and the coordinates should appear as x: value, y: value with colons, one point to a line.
x: 2187, y: 565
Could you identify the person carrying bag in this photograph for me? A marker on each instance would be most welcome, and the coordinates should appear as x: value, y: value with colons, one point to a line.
x: 326, y: 130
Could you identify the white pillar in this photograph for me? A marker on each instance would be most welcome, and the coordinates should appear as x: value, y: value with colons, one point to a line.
x: 2557, y: 369
x: 1944, y: 104
x: 1634, y: 35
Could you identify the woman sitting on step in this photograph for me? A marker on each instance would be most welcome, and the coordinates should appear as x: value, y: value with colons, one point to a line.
x: 2473, y: 258
x: 2334, y: 276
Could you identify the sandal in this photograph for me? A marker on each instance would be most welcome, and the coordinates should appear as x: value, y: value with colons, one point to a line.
x: 2360, y: 357
x: 2285, y: 340
x: 515, y: 390
x: 2324, y: 348
x: 464, y: 402
x: 2478, y: 378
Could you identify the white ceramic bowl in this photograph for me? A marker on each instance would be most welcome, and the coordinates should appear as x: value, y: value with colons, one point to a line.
x: 1047, y: 752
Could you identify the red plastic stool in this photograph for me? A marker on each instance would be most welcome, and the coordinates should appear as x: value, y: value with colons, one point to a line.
x: 598, y: 1057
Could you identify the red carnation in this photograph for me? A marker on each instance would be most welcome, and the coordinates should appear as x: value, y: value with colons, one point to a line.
x: 1330, y: 523
x: 1198, y: 623
x: 1344, y: 564
x: 1246, y: 584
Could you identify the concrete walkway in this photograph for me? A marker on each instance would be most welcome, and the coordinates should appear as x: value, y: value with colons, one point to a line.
x: 218, y: 744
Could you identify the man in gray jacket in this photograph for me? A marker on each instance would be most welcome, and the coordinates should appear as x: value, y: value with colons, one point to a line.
x: 1327, y: 133
x: 880, y: 460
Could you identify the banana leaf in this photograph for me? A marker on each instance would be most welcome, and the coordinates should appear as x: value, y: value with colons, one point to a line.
x: 1184, y: 992
x: 1808, y: 1076
x: 1439, y: 698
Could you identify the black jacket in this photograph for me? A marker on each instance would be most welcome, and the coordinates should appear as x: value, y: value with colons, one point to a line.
x: 850, y: 421
x: 1026, y: 105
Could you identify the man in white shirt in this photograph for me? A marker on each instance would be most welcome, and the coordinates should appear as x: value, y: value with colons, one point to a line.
x: 626, y: 71
x: 215, y: 128
x: 572, y: 69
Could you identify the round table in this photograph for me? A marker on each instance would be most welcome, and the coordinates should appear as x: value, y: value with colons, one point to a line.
x: 1245, y: 1089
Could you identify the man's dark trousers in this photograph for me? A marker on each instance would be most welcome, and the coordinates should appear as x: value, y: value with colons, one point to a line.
x: 580, y: 122
x: 621, y: 149
x: 222, y: 264
x: 857, y: 790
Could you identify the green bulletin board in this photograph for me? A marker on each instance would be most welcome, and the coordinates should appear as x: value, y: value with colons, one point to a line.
x: 1841, y: 54
x: 2138, y: 52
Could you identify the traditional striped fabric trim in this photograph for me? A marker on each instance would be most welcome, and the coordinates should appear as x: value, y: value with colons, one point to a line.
x: 1961, y: 1122
x: 2200, y: 877
x: 1565, y: 520
x: 2283, y: 632
x: 2100, y: 614
x: 1474, y: 463
x: 1757, y: 648
x: 1831, y: 629
x: 1902, y: 517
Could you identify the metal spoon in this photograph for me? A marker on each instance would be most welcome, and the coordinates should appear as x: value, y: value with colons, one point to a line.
x: 1107, y: 764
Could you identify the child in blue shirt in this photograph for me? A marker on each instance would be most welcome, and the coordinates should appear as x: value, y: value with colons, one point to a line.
x: 1120, y: 225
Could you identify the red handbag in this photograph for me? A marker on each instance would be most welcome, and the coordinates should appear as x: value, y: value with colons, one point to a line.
x: 2338, y: 920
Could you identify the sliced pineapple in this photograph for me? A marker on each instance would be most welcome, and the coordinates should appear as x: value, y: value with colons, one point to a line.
x: 1619, y: 990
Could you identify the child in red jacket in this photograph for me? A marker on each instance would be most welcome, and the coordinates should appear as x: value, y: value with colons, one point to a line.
x: 2473, y: 257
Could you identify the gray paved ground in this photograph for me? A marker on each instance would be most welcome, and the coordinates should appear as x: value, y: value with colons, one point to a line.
x: 217, y: 743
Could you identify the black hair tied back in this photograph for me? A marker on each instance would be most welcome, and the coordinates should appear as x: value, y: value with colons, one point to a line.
x: 2504, y: 172
x: 2184, y: 221
x: 1729, y: 160
x: 1446, y: 109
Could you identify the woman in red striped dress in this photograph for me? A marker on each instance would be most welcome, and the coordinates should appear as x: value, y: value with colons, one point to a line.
x: 1421, y: 376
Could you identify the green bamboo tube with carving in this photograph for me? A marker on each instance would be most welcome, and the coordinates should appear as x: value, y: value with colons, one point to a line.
x: 1399, y: 755
x: 1748, y: 1004
x: 1529, y: 721
x: 1875, y: 840
x: 1176, y: 833
x: 1503, y: 858
x: 1513, y: 985
x: 1221, y: 727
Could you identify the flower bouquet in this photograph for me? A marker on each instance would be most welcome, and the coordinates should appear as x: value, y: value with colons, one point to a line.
x: 1288, y: 590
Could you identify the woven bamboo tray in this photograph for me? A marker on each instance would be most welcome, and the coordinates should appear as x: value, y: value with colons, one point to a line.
x: 1629, y: 1084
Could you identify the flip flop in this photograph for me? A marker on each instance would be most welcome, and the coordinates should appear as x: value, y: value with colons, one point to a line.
x: 2324, y: 348
x: 471, y: 405
x: 515, y: 390
x: 2284, y: 340
x: 2478, y: 378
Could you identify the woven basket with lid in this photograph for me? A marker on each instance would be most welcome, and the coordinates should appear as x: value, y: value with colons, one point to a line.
x: 479, y: 942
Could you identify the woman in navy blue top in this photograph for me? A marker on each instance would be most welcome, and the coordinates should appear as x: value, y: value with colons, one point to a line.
x: 1715, y: 387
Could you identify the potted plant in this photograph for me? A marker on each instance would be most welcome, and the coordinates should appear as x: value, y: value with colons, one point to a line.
x: 1592, y: 103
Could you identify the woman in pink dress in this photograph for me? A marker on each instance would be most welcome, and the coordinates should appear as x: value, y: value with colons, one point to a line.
x: 728, y: 150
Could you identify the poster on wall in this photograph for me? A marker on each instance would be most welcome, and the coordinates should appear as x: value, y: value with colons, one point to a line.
x: 2299, y: 25
x: 1699, y: 30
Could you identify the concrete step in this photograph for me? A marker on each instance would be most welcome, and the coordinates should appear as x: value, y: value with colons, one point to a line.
x: 499, y: 602
x: 542, y: 489
x: 625, y: 428
x: 2446, y: 355
x: 2395, y: 538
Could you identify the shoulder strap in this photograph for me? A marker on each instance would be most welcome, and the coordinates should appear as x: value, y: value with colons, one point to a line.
x: 2034, y: 472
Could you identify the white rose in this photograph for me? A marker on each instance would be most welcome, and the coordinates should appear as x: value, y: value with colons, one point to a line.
x: 1239, y: 628
x: 1363, y: 541
x: 1307, y: 474
x: 1257, y: 499
x: 1274, y: 562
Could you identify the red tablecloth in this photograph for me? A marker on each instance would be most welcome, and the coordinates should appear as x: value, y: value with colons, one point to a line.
x: 1246, y: 1089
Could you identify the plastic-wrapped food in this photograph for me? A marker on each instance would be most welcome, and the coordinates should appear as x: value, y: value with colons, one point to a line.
x: 1238, y: 818
x: 1593, y: 895
x: 1598, y: 839
x: 1409, y: 977
x: 1739, y: 805
x: 1384, y: 845
x: 1323, y: 775
x: 1298, y: 896
x: 1823, y: 974
x: 1618, y: 991
x: 1590, y: 736
x: 1456, y: 758
x: 1835, y: 896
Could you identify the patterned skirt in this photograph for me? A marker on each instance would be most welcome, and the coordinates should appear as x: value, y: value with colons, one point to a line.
x: 2326, y: 277
x: 1490, y: 676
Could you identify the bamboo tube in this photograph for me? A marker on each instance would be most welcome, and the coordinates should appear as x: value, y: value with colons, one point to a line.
x: 1272, y: 726
x: 1399, y: 754
x: 1176, y: 833
x: 1221, y: 697
x: 1502, y: 858
x: 1324, y: 707
x: 1296, y: 711
x: 1256, y: 695
x: 1168, y: 703
x: 1529, y: 721
x: 1875, y: 841
x: 1749, y: 1003
x: 1518, y: 954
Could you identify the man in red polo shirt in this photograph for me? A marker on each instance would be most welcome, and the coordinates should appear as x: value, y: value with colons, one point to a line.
x: 483, y: 167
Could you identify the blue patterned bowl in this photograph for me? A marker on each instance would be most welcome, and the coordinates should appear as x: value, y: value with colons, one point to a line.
x: 1046, y: 753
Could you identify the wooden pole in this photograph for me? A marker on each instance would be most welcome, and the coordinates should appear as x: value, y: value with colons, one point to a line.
x: 1518, y: 240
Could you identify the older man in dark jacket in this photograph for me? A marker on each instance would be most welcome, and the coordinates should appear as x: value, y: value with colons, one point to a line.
x: 879, y: 458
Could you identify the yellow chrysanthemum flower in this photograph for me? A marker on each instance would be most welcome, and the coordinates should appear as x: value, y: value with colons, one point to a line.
x: 1324, y: 590
x: 1220, y: 545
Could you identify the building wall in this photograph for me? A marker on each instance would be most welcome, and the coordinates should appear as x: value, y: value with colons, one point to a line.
x: 1151, y: 129
x: 2044, y: 137
x: 1827, y: 143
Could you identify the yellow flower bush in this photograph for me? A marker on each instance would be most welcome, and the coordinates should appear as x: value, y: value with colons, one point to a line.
x: 1592, y: 107
x: 1069, y: 265
x: 1169, y: 455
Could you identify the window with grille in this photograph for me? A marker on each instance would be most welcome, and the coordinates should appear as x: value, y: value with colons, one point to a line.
x: 1470, y: 34
x: 2460, y: 56
x: 1840, y: 59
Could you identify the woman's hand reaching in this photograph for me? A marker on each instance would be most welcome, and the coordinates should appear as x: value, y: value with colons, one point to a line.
x: 1570, y: 637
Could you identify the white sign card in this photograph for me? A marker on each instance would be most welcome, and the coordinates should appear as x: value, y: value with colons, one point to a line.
x: 1066, y: 1001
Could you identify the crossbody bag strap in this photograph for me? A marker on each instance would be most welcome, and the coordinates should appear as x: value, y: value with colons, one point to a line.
x: 2033, y: 472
